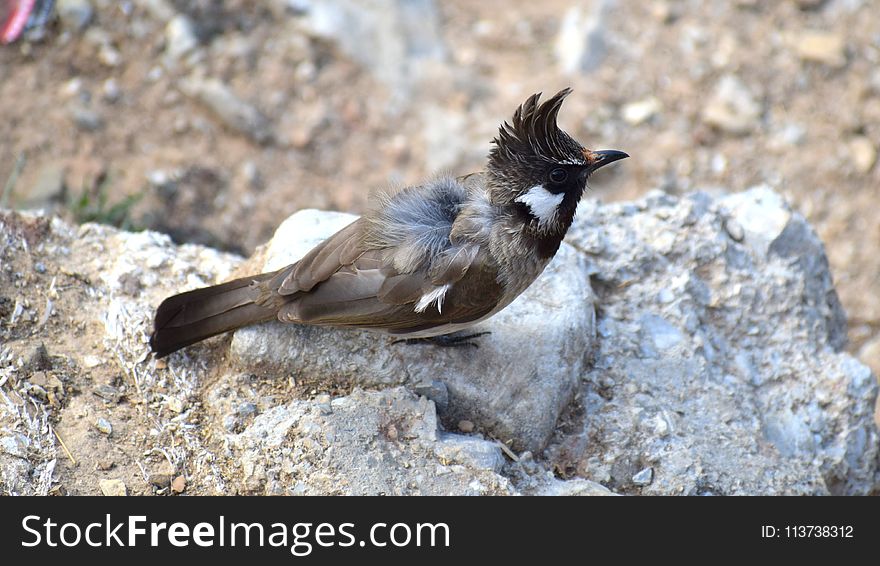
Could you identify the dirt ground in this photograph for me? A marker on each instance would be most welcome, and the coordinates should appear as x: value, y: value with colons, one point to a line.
x: 713, y: 95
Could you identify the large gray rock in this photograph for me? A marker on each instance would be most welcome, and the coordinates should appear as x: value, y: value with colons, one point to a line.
x: 513, y: 387
x: 367, y: 443
x: 720, y: 363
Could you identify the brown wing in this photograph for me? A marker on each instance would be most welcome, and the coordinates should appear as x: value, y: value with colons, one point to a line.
x: 368, y: 293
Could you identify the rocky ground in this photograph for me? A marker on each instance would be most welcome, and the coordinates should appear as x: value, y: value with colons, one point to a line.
x: 220, y: 118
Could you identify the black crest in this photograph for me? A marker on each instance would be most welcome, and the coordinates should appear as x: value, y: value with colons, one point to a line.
x: 534, y: 134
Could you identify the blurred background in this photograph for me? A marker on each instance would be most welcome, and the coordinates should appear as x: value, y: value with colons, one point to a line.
x: 213, y: 120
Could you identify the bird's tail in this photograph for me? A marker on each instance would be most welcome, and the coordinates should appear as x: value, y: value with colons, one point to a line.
x: 193, y: 316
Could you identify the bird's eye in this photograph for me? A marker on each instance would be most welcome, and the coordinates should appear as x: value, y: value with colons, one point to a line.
x: 558, y: 175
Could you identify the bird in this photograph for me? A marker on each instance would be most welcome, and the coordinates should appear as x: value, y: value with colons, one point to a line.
x: 425, y: 262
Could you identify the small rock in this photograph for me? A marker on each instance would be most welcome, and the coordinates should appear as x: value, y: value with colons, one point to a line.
x: 323, y: 402
x: 180, y: 37
x: 75, y: 15
x: 175, y: 404
x: 40, y: 359
x: 732, y: 108
x: 163, y: 477
x: 465, y: 426
x: 644, y: 477
x: 231, y: 110
x: 113, y: 488
x: 862, y: 153
x: 104, y: 426
x: 470, y: 451
x: 109, y: 56
x: 108, y: 393
x: 86, y: 119
x: 641, y: 111
x: 110, y: 90
x: 820, y: 47
x: 178, y: 484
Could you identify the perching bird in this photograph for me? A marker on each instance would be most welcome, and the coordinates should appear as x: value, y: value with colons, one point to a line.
x: 426, y: 261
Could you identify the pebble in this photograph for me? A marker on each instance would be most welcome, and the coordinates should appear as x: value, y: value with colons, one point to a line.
x: 862, y: 153
x: 108, y: 393
x: 641, y: 111
x: 104, y: 426
x: 86, y: 119
x: 113, y: 488
x: 820, y: 47
x: 175, y: 404
x: 235, y: 113
x: 110, y: 90
x: 323, y: 403
x: 644, y: 477
x: 180, y: 37
x: 732, y: 107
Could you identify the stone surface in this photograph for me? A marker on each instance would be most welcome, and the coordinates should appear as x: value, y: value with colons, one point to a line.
x: 372, y: 443
x: 513, y: 392
x: 744, y: 364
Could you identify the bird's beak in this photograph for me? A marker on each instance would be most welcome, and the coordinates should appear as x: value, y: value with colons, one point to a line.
x: 601, y: 158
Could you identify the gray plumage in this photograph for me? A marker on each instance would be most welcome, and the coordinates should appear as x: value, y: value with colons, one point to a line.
x: 423, y: 261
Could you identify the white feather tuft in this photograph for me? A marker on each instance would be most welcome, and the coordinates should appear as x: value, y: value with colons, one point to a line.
x: 436, y: 294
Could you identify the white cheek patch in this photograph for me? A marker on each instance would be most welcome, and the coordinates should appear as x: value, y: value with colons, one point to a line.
x: 542, y: 203
x: 436, y: 294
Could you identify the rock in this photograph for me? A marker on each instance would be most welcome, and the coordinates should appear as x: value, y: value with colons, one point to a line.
x: 639, y: 112
x: 231, y: 110
x: 104, y: 426
x: 738, y: 385
x: 644, y: 477
x: 827, y: 48
x: 581, y: 43
x: 514, y: 393
x: 180, y: 38
x: 113, y: 488
x: 732, y: 107
x: 297, y: 449
x: 404, y: 36
x: 75, y: 15
x: 862, y: 153
x: 470, y: 451
x: 86, y: 119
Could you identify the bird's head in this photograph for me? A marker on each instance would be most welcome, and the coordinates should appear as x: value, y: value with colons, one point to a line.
x: 540, y: 170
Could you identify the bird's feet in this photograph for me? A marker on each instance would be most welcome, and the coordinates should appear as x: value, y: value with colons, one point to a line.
x: 455, y: 340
